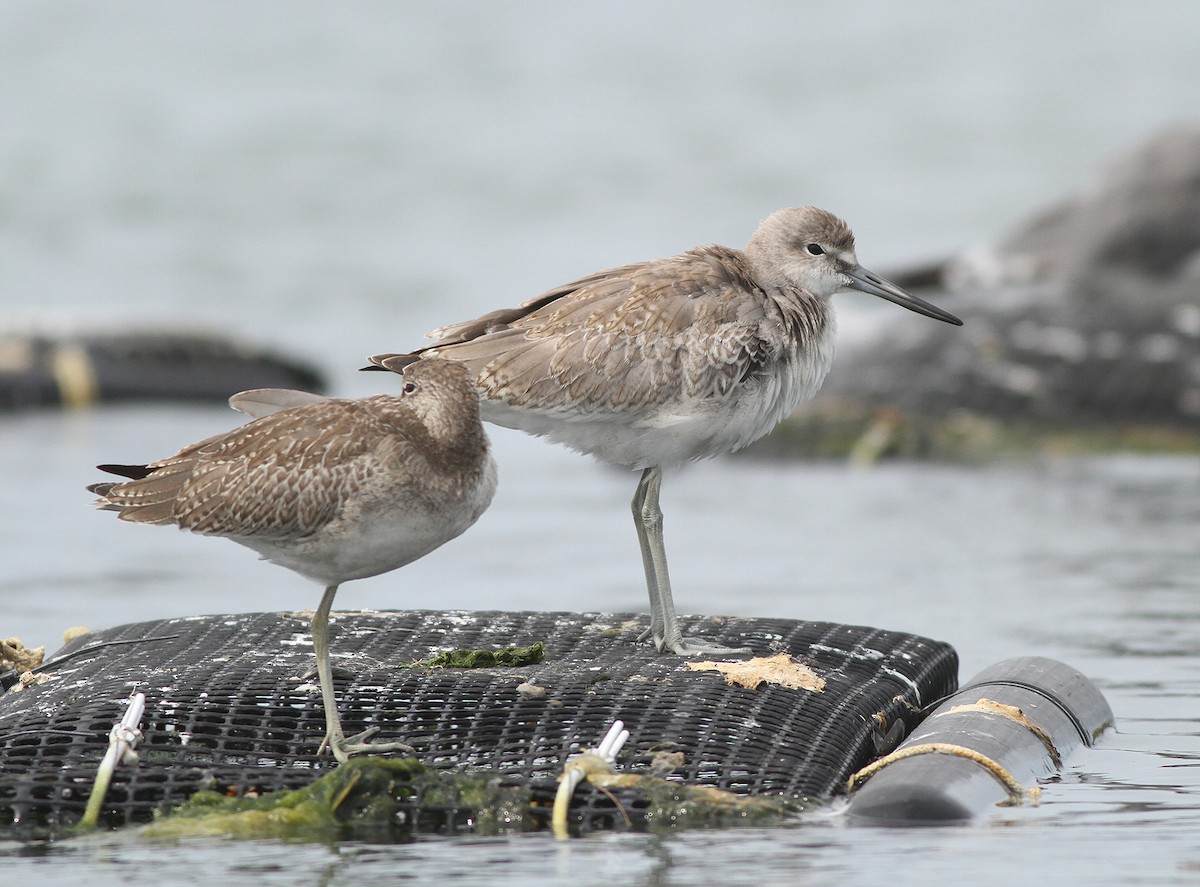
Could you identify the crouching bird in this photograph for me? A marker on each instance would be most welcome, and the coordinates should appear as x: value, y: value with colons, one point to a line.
x: 333, y: 489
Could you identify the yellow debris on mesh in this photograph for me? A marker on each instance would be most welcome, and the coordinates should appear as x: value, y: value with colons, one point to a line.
x: 781, y: 670
x: 14, y: 655
x: 75, y: 631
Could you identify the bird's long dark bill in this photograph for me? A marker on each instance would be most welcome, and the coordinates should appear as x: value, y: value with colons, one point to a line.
x: 869, y: 282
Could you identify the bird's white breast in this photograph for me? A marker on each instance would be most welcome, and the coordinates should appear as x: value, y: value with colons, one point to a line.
x: 382, y: 536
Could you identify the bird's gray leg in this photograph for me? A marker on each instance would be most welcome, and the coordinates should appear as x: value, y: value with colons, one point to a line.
x: 320, y: 636
x: 664, y: 627
x: 337, y: 741
x: 655, y: 631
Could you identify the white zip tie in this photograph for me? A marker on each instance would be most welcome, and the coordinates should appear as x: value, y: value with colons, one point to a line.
x: 122, y: 740
x: 580, y: 767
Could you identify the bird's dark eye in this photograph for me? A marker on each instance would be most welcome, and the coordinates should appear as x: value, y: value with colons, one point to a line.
x: 814, y: 249
x: 410, y: 387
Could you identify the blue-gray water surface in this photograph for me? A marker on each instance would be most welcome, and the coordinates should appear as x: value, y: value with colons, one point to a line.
x: 336, y: 179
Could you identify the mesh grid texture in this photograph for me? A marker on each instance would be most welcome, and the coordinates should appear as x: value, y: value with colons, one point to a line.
x: 233, y: 704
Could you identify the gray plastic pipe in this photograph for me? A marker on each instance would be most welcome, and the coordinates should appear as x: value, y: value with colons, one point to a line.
x: 1011, y: 725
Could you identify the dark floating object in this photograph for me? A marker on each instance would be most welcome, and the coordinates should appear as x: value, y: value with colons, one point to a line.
x: 39, y: 369
x: 229, y: 708
x: 990, y: 743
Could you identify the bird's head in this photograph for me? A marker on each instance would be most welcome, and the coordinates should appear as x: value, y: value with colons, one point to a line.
x: 813, y: 250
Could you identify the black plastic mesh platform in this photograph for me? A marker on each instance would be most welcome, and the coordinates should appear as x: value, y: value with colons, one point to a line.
x: 233, y: 704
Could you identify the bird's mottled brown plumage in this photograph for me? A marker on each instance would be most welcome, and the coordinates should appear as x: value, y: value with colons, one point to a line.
x: 631, y: 339
x: 301, y: 470
x: 292, y: 473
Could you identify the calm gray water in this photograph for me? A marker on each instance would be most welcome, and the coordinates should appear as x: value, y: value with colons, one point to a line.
x: 336, y: 179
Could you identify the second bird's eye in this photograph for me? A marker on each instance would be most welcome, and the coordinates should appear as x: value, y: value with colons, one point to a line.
x: 814, y: 249
x: 410, y: 387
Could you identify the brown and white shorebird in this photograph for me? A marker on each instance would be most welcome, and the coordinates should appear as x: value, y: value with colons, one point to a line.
x: 658, y: 363
x: 332, y: 489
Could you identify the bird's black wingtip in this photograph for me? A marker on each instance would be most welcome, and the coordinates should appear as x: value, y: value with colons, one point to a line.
x: 133, y: 472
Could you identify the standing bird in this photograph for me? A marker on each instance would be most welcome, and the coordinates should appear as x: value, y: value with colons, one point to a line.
x: 658, y: 363
x: 332, y: 489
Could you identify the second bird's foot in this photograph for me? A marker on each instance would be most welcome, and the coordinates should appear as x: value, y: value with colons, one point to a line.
x: 345, y: 747
x: 685, y: 646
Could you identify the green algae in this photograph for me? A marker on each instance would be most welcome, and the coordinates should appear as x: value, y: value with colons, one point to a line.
x: 669, y: 805
x: 508, y: 657
x: 382, y: 799
x: 478, y: 802
x: 359, y: 798
x: 379, y: 799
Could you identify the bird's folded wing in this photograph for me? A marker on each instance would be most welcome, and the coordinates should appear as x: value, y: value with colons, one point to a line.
x: 634, y: 337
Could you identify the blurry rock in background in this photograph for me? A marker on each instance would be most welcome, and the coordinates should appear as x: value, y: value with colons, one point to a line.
x: 38, y: 368
x: 1082, y: 334
x: 1141, y: 216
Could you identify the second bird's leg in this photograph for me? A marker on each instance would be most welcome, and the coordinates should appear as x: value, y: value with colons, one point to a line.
x: 342, y: 746
x: 664, y: 627
x: 640, y: 520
